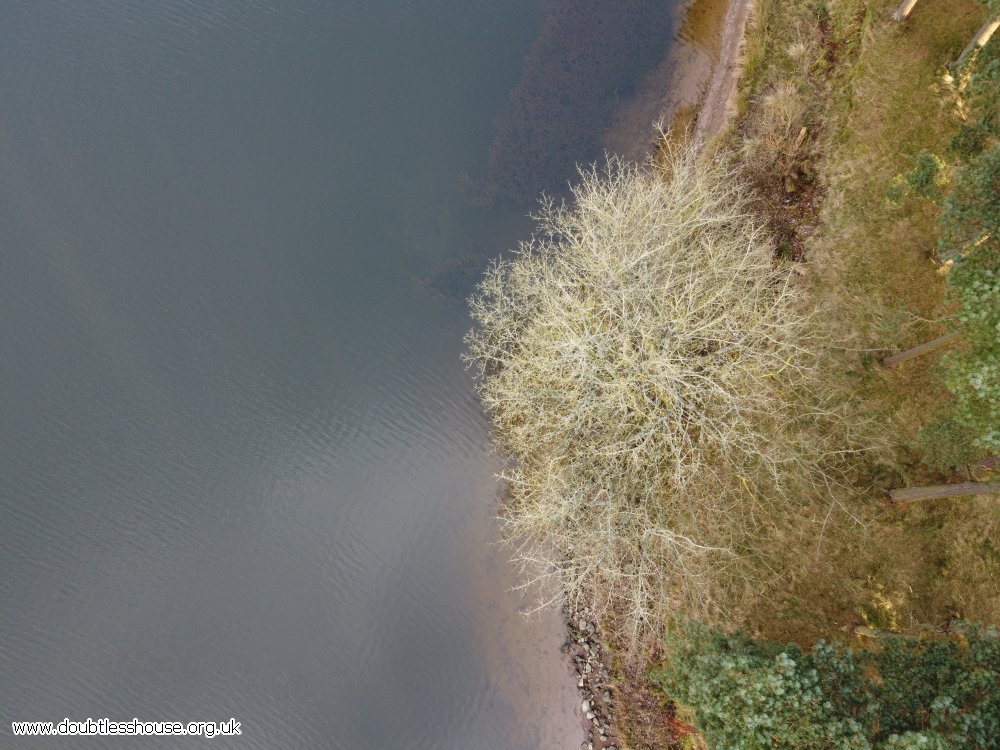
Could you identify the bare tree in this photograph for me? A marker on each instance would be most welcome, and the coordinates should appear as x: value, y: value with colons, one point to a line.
x: 649, y: 369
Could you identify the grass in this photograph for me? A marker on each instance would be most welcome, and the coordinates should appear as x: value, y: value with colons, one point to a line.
x: 870, y: 95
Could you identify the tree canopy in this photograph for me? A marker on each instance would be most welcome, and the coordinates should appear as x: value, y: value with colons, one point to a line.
x: 649, y: 368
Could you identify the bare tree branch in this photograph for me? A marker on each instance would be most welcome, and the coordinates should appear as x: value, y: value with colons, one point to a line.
x: 650, y: 370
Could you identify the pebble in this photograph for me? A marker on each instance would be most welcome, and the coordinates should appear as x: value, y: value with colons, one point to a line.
x: 592, y: 676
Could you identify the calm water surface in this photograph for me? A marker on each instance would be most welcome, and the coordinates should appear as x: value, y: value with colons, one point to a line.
x: 242, y: 472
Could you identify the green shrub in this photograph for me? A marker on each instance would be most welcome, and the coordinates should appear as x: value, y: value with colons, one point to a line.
x: 906, y: 694
x: 993, y: 5
x: 971, y: 210
x: 968, y: 426
x: 973, y: 373
x: 945, y: 444
x: 979, y: 88
x: 927, y: 179
x: 928, y: 176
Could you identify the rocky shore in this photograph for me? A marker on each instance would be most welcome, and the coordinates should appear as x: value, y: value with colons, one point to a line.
x: 593, y: 678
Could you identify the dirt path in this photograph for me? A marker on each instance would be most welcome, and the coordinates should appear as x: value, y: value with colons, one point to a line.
x: 717, y: 106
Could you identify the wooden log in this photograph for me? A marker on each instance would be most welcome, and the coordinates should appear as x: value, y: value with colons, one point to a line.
x: 982, y: 37
x: 876, y: 633
x: 928, y: 631
x: 904, y: 9
x: 936, y: 492
x: 929, y: 346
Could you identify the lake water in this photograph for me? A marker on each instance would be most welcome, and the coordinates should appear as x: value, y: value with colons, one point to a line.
x: 242, y: 469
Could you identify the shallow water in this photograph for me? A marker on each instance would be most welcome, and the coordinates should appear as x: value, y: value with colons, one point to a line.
x: 242, y: 470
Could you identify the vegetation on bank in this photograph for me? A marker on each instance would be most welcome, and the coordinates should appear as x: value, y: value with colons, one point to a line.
x: 906, y: 694
x: 877, y: 153
x: 869, y: 193
x: 962, y: 183
x: 838, y: 103
x: 657, y: 380
x: 965, y: 182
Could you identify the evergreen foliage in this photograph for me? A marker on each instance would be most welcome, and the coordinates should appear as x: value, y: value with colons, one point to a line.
x: 993, y: 5
x: 904, y: 694
x: 969, y: 425
x: 971, y: 211
x: 928, y: 176
x: 973, y: 373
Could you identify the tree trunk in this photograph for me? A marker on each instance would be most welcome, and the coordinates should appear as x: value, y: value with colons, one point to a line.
x: 916, y: 351
x: 876, y: 633
x: 903, y: 10
x: 922, y: 631
x: 982, y: 37
x: 939, y: 491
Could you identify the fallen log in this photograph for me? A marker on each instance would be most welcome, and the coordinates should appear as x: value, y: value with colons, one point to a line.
x: 904, y: 9
x: 924, y: 348
x: 982, y: 37
x: 939, y: 491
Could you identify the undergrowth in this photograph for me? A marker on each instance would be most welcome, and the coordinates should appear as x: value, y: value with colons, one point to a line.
x: 835, y: 103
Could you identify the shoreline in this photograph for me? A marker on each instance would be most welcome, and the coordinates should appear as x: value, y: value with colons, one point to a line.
x: 693, y: 92
x: 716, y: 109
x: 589, y: 660
x: 820, y: 145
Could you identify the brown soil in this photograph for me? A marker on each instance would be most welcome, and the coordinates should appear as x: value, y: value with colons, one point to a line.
x: 652, y: 724
x: 717, y: 107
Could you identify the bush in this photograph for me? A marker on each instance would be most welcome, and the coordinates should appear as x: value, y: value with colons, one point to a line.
x: 903, y: 694
x: 973, y: 374
x: 928, y: 176
x: 968, y: 426
x: 649, y: 368
x: 971, y: 210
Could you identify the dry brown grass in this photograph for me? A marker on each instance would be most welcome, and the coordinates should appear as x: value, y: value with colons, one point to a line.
x: 873, y: 95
